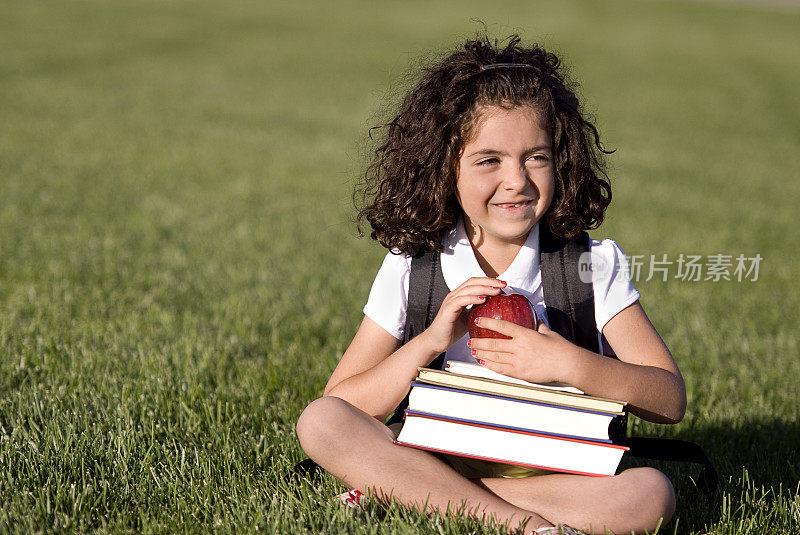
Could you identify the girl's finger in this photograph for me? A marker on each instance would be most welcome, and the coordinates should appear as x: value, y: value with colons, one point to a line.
x: 469, y: 297
x: 498, y: 357
x: 478, y: 289
x: 491, y: 344
x: 499, y: 367
x: 461, y: 301
x: 501, y: 326
x: 482, y: 281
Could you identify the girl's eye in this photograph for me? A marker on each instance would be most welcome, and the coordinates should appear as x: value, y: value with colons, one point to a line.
x: 539, y: 158
x: 488, y: 161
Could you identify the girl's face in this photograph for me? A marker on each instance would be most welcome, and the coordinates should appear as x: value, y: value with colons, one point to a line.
x: 506, y: 176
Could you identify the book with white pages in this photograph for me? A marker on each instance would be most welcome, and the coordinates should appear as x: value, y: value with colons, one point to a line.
x: 494, y: 409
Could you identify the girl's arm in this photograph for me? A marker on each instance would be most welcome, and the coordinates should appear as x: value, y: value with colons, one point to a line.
x: 376, y: 371
x: 645, y: 376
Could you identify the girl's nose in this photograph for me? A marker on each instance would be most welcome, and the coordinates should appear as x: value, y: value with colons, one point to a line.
x: 516, y: 178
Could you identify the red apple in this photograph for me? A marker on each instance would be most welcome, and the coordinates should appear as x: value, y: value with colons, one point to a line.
x: 514, y: 308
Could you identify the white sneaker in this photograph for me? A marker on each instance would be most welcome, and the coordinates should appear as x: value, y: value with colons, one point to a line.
x: 560, y: 529
x: 351, y: 498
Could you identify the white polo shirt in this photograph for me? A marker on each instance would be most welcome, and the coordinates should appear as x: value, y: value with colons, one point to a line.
x: 388, y: 299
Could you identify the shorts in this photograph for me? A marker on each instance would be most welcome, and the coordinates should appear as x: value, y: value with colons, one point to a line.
x: 478, y: 468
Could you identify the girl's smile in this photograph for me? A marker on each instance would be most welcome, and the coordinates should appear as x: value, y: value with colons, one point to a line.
x: 506, y: 176
x: 516, y: 207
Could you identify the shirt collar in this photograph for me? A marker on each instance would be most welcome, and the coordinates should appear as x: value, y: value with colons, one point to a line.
x: 459, y: 262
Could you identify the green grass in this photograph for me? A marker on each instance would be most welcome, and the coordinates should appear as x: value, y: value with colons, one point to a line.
x: 179, y: 272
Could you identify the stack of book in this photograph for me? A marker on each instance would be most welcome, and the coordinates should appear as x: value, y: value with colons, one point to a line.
x: 470, y: 411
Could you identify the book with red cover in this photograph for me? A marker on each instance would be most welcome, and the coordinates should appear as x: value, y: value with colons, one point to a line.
x: 507, y: 444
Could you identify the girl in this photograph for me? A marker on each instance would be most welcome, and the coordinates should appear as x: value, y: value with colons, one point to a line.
x: 486, y: 149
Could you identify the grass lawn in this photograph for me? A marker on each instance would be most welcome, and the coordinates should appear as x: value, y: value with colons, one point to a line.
x: 179, y: 272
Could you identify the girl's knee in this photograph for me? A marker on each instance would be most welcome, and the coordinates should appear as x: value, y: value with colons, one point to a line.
x: 317, y: 418
x: 651, y: 496
x: 330, y: 429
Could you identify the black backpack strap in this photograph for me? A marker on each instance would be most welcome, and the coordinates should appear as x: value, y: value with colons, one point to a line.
x: 426, y: 291
x: 306, y: 468
x: 671, y: 449
x: 569, y: 300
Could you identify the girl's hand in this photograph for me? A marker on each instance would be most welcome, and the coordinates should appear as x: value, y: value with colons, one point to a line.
x: 450, y: 323
x: 539, y: 356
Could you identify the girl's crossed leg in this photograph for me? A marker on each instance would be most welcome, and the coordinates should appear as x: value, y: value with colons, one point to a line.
x: 359, y: 451
x: 636, y: 500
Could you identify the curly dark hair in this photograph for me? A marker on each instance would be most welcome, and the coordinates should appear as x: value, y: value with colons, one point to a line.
x: 408, y: 191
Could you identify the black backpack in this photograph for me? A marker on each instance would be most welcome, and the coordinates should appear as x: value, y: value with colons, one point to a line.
x: 570, y: 312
